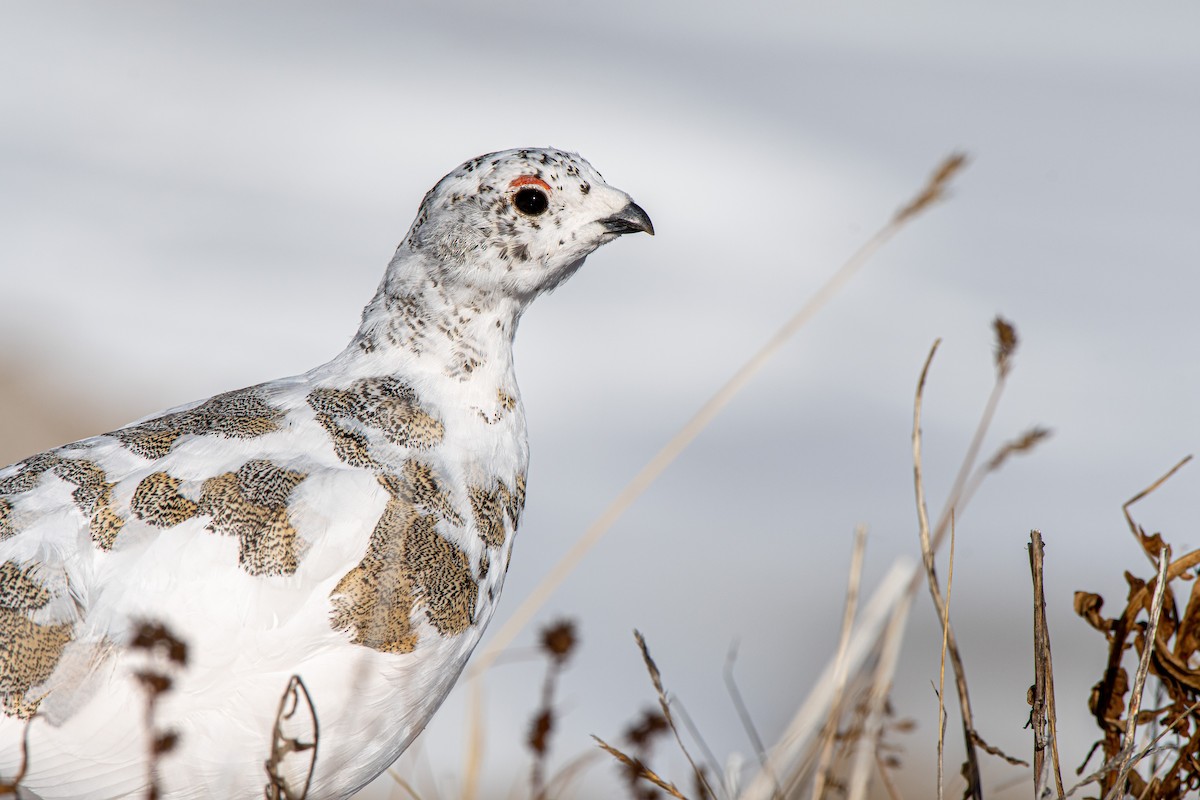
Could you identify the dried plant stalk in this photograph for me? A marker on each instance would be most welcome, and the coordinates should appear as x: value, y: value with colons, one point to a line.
x: 1139, y: 684
x: 883, y: 615
x: 971, y: 771
x: 294, y: 700
x: 841, y: 671
x: 1043, y: 716
x: 877, y: 695
x: 743, y: 713
x: 941, y: 742
x: 656, y: 679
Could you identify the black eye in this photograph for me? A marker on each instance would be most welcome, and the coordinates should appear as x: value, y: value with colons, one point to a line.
x: 531, y: 201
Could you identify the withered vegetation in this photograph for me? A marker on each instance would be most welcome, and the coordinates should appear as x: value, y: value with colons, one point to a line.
x: 295, y: 709
x: 1151, y: 753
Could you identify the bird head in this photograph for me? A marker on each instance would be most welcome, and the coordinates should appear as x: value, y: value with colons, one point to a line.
x: 519, y: 222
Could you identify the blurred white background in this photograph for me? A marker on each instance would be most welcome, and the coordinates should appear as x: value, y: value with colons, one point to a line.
x: 197, y: 197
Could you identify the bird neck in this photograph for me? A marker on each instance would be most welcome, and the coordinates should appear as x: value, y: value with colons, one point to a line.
x: 420, y: 323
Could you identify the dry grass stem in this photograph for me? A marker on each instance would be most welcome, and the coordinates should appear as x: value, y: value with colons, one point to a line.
x: 792, y: 756
x: 403, y: 784
x: 473, y: 758
x: 656, y: 679
x: 558, y: 783
x: 966, y: 482
x: 877, y: 695
x: 1023, y: 444
x: 922, y: 511
x: 1139, y: 684
x: 1150, y: 544
x: 710, y: 760
x: 971, y: 771
x: 893, y: 791
x: 996, y: 751
x: 1114, y: 764
x: 960, y: 491
x: 739, y: 704
x: 841, y: 669
x: 941, y: 742
x: 868, y: 647
x: 641, y: 769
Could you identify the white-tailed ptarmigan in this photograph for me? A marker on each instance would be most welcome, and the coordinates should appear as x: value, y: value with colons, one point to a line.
x: 338, y: 538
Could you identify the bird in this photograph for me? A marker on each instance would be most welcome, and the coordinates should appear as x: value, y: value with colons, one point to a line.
x: 269, y: 592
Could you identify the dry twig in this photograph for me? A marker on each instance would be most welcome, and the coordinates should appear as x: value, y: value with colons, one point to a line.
x: 295, y: 699
x: 1043, y: 716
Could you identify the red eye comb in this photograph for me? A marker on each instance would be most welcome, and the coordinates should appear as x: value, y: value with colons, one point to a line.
x: 528, y: 180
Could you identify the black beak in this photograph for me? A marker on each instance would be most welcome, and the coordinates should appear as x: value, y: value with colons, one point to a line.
x: 629, y: 219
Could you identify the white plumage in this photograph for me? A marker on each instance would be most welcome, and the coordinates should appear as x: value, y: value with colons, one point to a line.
x: 350, y: 527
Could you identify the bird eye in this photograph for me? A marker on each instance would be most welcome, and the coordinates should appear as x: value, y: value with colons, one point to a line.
x: 531, y: 201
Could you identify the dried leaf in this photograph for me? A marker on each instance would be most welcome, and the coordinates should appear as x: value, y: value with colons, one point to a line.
x: 1087, y: 605
x: 1187, y: 637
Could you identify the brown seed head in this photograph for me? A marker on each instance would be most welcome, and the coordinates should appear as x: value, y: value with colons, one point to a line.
x: 155, y: 637
x: 539, y: 732
x: 1006, y: 343
x: 558, y: 640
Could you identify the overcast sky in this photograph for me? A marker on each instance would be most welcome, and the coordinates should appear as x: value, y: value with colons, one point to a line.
x: 197, y: 197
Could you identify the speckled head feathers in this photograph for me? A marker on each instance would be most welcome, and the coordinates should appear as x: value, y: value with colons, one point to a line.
x: 519, y: 222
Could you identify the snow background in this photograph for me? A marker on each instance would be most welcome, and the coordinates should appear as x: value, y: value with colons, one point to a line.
x: 197, y: 197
